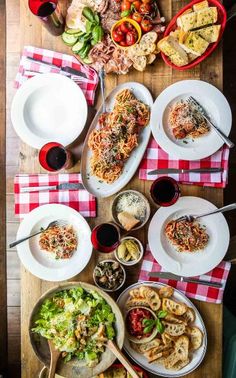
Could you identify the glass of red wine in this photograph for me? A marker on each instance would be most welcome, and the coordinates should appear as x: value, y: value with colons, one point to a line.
x: 49, y: 13
x: 105, y: 237
x: 165, y: 191
x: 54, y: 157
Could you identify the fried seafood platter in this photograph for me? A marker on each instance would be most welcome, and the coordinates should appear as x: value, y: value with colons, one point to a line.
x: 164, y: 331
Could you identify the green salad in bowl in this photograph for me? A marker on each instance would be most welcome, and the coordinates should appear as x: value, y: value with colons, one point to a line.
x: 78, y: 321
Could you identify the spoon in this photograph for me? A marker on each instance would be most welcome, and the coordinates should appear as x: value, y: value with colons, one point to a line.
x: 52, y: 224
x: 191, y: 218
x: 55, y: 354
x: 120, y: 356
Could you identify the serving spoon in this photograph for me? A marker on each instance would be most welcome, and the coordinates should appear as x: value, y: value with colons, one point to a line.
x: 55, y: 354
x: 120, y: 356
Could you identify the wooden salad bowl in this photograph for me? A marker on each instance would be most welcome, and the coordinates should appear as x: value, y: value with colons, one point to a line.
x: 73, y: 368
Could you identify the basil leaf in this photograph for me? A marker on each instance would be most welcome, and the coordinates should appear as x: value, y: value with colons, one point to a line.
x: 160, y: 326
x: 125, y: 13
x: 96, y: 18
x: 162, y: 314
x: 88, y: 26
x: 148, y: 329
x: 147, y: 322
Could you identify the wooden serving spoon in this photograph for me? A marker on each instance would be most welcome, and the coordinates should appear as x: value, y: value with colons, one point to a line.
x: 55, y: 354
x: 120, y: 356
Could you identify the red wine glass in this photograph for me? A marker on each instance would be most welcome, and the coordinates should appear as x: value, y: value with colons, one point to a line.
x: 54, y: 157
x: 105, y: 237
x: 49, y: 14
x: 165, y: 191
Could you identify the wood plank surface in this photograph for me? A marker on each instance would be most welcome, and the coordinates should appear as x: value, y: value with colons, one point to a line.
x: 3, y: 286
x: 156, y: 78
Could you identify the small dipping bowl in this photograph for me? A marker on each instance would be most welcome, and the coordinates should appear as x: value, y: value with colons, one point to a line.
x: 144, y: 200
x: 134, y: 24
x: 165, y: 191
x: 101, y: 287
x: 132, y: 262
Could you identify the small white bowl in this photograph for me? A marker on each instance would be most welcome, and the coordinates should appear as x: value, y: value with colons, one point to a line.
x: 132, y: 262
x: 144, y: 339
x: 109, y: 290
x: 142, y: 197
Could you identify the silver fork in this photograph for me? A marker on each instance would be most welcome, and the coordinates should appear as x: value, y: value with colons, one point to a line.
x: 192, y: 101
x: 51, y: 224
x: 101, y: 75
x: 191, y: 218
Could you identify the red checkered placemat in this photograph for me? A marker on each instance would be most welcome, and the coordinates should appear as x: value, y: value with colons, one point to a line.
x: 191, y: 290
x: 88, y: 85
x: 155, y: 158
x: 80, y: 200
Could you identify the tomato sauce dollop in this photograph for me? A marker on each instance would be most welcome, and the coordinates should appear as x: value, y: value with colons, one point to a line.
x: 134, y: 322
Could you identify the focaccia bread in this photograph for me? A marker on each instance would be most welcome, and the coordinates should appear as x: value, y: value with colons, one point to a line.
x: 210, y: 33
x: 195, y: 44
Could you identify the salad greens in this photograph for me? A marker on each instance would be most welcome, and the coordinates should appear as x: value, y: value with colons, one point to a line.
x: 82, y: 42
x: 78, y: 322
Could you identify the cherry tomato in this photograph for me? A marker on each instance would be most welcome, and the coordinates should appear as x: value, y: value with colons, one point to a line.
x: 130, y: 39
x: 125, y: 5
x: 123, y: 43
x: 118, y: 36
x: 146, y: 25
x: 137, y: 17
x: 145, y: 8
x: 136, y: 5
x: 146, y: 1
x: 124, y: 27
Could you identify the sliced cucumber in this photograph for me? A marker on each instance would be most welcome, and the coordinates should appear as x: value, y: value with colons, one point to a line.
x: 73, y: 31
x: 69, y: 39
x: 78, y: 46
x: 87, y: 60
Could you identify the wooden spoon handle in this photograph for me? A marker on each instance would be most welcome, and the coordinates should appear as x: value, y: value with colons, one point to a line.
x: 125, y: 362
x: 52, y: 369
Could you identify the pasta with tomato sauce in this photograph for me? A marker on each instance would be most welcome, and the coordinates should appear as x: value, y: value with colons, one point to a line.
x: 118, y: 134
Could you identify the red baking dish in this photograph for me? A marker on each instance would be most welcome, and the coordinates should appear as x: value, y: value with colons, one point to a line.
x: 222, y: 18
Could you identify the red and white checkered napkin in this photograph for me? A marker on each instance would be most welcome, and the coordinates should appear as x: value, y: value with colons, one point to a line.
x: 155, y: 158
x: 88, y: 85
x: 80, y: 200
x: 191, y: 290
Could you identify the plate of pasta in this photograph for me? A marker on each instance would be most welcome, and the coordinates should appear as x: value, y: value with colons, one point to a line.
x: 188, y: 248
x: 59, y: 252
x: 117, y: 140
x: 179, y: 127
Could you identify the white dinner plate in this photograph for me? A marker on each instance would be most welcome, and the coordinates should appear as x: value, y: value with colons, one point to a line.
x: 40, y: 263
x: 154, y: 368
x: 213, y: 101
x: 49, y: 108
x: 94, y: 185
x: 189, y: 264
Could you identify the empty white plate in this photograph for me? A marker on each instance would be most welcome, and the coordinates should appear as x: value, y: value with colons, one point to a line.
x: 49, y: 108
x: 216, y: 106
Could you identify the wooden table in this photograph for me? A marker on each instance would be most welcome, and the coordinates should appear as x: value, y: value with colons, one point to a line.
x: 156, y: 78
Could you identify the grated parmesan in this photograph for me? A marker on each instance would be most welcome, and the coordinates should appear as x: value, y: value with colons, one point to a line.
x: 132, y: 204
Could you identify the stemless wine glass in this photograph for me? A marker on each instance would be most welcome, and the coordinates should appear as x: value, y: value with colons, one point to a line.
x: 54, y: 157
x: 105, y: 237
x: 49, y: 14
x: 165, y: 191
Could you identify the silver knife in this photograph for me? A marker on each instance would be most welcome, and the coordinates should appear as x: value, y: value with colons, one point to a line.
x: 171, y: 276
x: 66, y: 69
x: 64, y: 186
x: 177, y: 170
